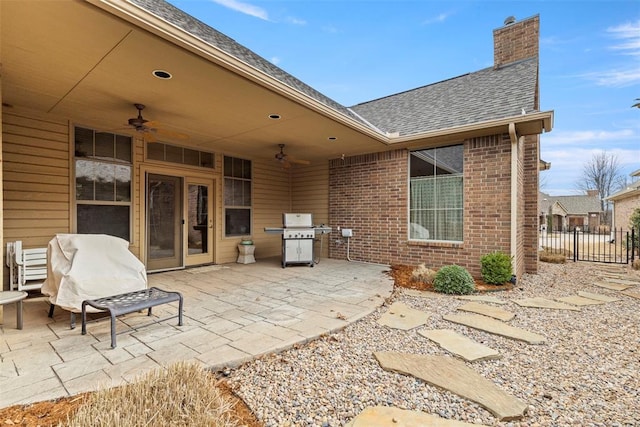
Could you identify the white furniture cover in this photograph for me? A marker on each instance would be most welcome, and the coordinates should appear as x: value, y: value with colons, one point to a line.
x: 90, y: 266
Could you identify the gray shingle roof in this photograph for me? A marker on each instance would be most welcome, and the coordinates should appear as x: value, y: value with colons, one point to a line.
x: 475, y: 97
x: 574, y: 205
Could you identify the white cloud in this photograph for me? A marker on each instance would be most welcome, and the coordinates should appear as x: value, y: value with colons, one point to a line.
x: 296, y: 21
x: 628, y: 43
x: 586, y: 137
x: 330, y: 29
x: 275, y: 60
x: 616, y: 78
x: 567, y: 164
x: 629, y: 33
x: 437, y: 19
x: 246, y: 8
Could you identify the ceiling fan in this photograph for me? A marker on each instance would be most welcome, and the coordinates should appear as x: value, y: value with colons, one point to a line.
x: 286, y: 160
x: 151, y: 129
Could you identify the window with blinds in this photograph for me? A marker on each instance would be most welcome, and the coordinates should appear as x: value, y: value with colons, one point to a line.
x: 436, y: 194
x: 103, y: 164
x: 237, y: 197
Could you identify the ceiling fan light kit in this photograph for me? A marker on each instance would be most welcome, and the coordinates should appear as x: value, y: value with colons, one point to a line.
x: 286, y: 160
x: 150, y: 129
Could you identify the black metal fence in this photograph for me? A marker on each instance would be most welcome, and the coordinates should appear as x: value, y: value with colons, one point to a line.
x: 617, y: 247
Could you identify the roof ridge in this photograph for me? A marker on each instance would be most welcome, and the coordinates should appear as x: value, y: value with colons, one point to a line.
x: 471, y: 73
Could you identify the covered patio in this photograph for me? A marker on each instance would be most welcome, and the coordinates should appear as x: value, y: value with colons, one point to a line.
x: 232, y: 313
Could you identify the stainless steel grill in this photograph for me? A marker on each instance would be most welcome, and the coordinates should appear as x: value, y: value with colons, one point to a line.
x: 297, y: 239
x: 298, y: 235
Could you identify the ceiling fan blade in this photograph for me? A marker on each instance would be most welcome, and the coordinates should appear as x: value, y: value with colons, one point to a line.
x: 300, y: 162
x: 169, y: 133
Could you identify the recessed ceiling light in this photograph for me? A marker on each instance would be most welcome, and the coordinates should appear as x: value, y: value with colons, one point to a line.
x: 332, y: 138
x: 274, y: 116
x: 161, y: 74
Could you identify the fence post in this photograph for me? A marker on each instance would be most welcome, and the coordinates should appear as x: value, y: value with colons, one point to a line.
x: 633, y: 245
x: 575, y: 245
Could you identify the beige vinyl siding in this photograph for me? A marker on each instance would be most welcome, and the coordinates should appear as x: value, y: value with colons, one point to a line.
x: 35, y: 177
x: 271, y: 198
x: 310, y: 193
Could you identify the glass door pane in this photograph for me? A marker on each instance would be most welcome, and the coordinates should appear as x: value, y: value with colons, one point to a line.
x: 164, y: 222
x: 198, y: 219
x: 199, y: 213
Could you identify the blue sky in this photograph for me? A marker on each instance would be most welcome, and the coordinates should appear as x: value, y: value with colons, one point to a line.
x: 359, y: 50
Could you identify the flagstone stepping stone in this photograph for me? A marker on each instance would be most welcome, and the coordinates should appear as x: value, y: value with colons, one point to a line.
x: 401, y: 316
x: 632, y: 294
x: 579, y: 300
x: 453, y: 375
x: 494, y: 326
x: 386, y: 416
x: 612, y: 275
x: 539, y: 302
x: 598, y: 297
x: 623, y: 282
x: 612, y: 286
x: 487, y: 310
x: 483, y: 298
x: 460, y: 345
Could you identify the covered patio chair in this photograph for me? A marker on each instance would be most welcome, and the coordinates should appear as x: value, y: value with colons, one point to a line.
x: 89, y: 266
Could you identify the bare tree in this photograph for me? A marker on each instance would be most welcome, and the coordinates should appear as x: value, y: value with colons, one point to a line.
x: 603, y: 173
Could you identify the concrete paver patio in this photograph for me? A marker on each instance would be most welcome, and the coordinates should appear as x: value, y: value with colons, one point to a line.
x: 232, y: 313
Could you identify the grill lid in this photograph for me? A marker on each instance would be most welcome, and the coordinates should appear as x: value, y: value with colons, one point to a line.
x: 297, y: 220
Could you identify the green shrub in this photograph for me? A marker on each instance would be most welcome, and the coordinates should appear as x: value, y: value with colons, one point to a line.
x: 423, y: 274
x: 453, y: 279
x: 496, y: 268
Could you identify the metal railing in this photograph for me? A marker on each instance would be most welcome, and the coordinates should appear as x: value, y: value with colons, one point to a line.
x: 619, y: 246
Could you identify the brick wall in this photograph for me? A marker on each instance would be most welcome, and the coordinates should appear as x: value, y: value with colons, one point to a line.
x: 516, y: 41
x: 369, y: 194
x: 623, y: 210
x: 530, y: 200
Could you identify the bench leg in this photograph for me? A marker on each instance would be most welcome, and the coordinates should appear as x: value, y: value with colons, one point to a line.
x: 113, y: 330
x: 19, y: 314
x: 51, y: 307
x: 84, y: 318
x: 72, y: 321
x: 180, y: 310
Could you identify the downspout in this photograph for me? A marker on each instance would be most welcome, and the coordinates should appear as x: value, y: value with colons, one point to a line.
x: 514, y: 194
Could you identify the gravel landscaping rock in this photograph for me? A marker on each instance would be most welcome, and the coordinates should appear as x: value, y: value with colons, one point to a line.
x: 585, y: 374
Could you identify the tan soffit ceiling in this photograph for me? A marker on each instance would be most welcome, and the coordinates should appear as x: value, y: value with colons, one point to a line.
x: 76, y: 61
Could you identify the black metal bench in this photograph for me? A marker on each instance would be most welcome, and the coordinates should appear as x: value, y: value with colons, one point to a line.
x: 129, y: 302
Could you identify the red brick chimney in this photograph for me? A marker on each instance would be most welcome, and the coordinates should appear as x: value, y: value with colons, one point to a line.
x: 516, y: 40
x: 592, y: 193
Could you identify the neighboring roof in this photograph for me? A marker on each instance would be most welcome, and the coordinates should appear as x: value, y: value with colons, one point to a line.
x: 573, y: 205
x: 485, y: 95
x: 488, y: 94
x: 632, y: 190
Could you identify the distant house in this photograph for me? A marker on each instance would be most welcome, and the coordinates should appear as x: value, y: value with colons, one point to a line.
x: 566, y: 213
x: 625, y: 202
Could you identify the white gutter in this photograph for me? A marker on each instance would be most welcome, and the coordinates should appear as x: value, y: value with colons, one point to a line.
x: 514, y: 194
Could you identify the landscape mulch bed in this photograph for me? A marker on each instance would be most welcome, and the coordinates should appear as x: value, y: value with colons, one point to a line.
x: 55, y: 412
x: 402, y: 277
